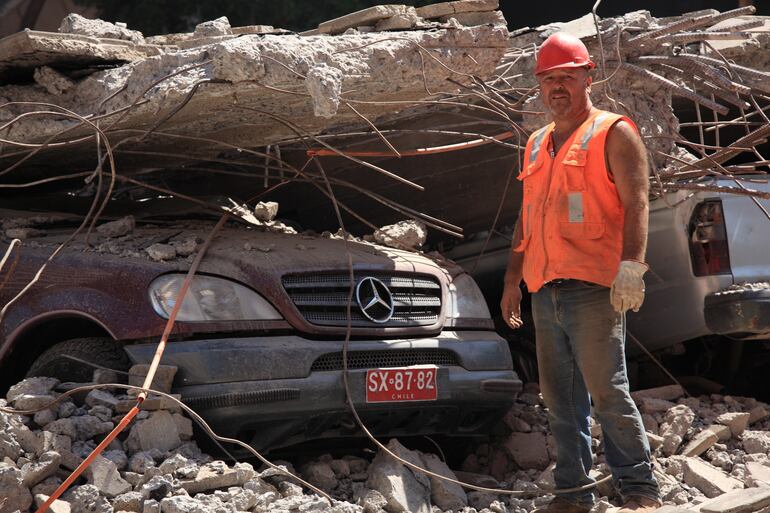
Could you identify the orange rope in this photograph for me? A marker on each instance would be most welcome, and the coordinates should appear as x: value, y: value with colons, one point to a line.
x: 150, y: 373
x: 91, y: 457
x: 324, y: 152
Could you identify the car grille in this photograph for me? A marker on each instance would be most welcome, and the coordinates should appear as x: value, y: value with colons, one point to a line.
x: 378, y: 359
x: 322, y: 299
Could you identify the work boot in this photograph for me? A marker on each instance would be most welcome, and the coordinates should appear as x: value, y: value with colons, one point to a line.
x: 559, y: 505
x: 640, y: 504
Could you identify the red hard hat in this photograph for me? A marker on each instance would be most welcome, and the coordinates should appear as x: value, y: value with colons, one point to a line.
x: 562, y: 50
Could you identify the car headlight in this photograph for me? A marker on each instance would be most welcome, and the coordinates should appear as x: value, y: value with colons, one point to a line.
x: 209, y: 299
x: 465, y: 300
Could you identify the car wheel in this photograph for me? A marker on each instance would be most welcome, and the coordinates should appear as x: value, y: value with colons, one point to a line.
x: 70, y: 360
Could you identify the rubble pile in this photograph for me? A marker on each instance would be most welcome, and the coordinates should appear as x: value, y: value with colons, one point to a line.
x: 710, y: 61
x: 709, y: 451
x: 711, y: 454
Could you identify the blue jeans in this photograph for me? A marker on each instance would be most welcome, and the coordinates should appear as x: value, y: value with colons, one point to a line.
x: 580, y: 355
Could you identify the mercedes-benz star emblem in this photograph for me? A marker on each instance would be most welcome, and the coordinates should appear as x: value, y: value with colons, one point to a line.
x: 375, y: 300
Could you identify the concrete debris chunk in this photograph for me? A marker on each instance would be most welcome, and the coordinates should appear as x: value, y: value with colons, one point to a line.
x: 367, y: 16
x: 266, y: 210
x: 12, y: 489
x: 320, y: 474
x: 237, y: 60
x: 57, y: 506
x: 472, y: 19
x: 373, y: 502
x: 34, y: 472
x: 151, y: 506
x: 174, y: 463
x: 528, y: 450
x: 213, y: 28
x: 757, y: 413
x: 33, y: 402
x: 80, y: 428
x: 185, y: 247
x: 739, y: 501
x: 104, y: 475
x: 444, y: 494
x: 708, y: 479
x: 129, y: 501
x: 44, y: 417
x: 118, y: 457
x: 459, y: 6
x: 757, y: 474
x: 52, y: 81
x: 677, y: 421
x: 409, y: 235
x: 756, y: 442
x: 162, y: 381
x: 723, y: 432
x: 666, y: 393
x: 98, y: 397
x: 159, y: 431
x: 673, y: 509
x: 403, y: 21
x: 654, y: 405
x: 86, y: 499
x: 700, y: 443
x: 736, y: 421
x: 77, y: 24
x: 324, y: 83
x: 31, y: 386
x: 212, y: 476
x: 117, y: 228
x: 404, y: 489
x: 161, y: 252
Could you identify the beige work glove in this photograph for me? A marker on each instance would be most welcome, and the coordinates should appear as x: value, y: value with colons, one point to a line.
x: 627, y: 291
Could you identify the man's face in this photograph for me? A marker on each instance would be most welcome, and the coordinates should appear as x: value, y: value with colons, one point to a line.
x: 565, y: 91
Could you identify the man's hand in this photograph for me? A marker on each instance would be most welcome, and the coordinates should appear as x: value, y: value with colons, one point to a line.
x: 627, y: 291
x: 510, y: 306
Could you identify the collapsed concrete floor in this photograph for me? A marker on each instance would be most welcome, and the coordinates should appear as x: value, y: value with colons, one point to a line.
x: 711, y: 455
x: 238, y: 108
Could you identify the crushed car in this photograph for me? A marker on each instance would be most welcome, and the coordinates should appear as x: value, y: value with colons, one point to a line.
x: 258, y: 341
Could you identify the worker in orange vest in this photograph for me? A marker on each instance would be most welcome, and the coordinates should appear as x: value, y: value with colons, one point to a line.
x: 579, y: 246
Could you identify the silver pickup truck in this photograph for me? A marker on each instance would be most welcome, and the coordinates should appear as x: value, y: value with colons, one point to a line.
x: 708, y: 290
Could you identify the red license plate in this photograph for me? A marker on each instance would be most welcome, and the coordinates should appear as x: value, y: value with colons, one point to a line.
x: 416, y: 383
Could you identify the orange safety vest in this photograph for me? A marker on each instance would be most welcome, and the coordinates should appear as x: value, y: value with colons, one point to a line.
x: 572, y: 217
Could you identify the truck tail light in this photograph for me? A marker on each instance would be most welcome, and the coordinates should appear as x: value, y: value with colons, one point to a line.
x: 708, y: 240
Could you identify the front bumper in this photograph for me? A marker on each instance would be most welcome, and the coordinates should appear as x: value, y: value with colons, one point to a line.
x: 741, y: 314
x: 277, y: 391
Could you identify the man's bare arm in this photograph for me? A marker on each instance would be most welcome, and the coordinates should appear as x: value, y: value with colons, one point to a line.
x: 510, y: 303
x: 513, y: 272
x: 627, y: 159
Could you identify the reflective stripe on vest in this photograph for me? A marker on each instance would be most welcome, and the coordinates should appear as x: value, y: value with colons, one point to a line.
x: 575, y: 199
x: 588, y: 135
x: 537, y: 143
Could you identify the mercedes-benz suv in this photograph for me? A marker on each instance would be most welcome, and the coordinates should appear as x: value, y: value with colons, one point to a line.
x: 259, y: 338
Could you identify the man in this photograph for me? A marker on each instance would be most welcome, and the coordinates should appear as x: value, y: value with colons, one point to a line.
x: 579, y: 245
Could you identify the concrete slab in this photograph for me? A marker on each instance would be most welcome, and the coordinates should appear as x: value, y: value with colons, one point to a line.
x: 739, y: 501
x: 24, y: 51
x: 366, y: 16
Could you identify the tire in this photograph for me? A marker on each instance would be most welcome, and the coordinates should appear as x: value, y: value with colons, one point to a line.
x: 54, y: 361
